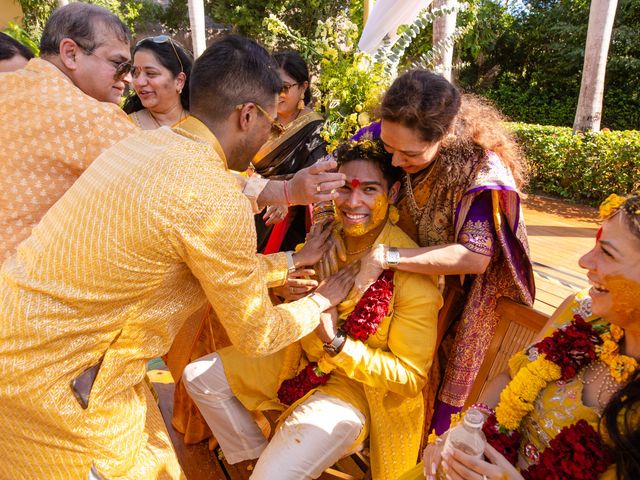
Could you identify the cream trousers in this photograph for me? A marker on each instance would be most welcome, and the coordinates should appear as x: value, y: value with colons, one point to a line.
x: 316, y: 434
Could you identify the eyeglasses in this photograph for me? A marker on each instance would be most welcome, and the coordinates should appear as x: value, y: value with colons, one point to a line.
x: 276, y: 127
x: 284, y: 90
x: 163, y: 39
x: 122, y: 68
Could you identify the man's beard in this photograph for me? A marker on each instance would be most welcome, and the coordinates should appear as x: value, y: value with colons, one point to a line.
x: 242, y: 154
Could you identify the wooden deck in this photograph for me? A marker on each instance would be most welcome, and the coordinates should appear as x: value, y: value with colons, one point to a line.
x: 559, y: 234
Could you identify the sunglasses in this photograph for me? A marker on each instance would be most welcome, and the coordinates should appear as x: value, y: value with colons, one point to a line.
x: 284, y: 90
x: 163, y: 39
x: 122, y: 68
x: 276, y: 127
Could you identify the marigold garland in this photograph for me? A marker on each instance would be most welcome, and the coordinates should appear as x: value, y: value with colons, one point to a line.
x: 361, y: 323
x: 577, y: 451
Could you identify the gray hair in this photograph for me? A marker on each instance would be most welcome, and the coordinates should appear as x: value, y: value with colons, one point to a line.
x: 79, y: 22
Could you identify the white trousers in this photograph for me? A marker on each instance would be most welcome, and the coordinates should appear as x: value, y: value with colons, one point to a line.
x: 316, y: 434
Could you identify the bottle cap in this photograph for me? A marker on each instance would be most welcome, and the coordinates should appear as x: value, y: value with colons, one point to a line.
x: 474, y: 418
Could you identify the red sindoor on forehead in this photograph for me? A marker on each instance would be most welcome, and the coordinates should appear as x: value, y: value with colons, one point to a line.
x: 355, y: 182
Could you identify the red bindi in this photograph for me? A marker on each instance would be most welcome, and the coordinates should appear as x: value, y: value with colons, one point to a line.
x: 355, y: 182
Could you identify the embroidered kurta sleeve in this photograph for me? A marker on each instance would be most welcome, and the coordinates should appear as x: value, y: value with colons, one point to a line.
x: 275, y: 268
x: 217, y: 240
x: 478, y: 232
x: 402, y: 367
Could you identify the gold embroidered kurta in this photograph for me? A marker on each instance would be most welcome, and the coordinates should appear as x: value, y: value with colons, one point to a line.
x: 154, y: 227
x: 382, y: 377
x: 51, y: 132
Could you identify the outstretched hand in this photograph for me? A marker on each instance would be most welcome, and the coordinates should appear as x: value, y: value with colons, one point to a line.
x: 336, y: 252
x: 371, y: 266
x: 298, y: 285
x: 275, y: 214
x: 317, y: 243
x: 336, y: 287
x: 316, y: 183
x: 460, y: 466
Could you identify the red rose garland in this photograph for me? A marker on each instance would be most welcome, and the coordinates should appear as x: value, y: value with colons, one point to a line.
x: 571, y: 348
x: 361, y: 323
x: 504, y: 441
x: 577, y: 452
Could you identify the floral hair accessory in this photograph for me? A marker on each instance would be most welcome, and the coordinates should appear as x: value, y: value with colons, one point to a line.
x: 611, y: 205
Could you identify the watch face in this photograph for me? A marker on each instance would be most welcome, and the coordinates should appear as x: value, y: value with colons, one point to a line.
x: 330, y: 349
x: 393, y: 257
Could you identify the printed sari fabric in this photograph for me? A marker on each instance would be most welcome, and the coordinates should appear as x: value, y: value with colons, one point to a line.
x: 463, y: 192
x: 279, y: 159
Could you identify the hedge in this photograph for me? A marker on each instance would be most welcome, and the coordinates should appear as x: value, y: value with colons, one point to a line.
x: 583, y: 167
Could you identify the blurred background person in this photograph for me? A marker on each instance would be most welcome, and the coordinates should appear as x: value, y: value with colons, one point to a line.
x: 161, y: 69
x: 13, y: 54
x: 299, y: 145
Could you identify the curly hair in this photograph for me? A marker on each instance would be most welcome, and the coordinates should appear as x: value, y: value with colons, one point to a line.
x: 372, y: 151
x: 433, y: 107
x: 479, y: 120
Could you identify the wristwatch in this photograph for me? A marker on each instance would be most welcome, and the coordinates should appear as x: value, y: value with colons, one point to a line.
x: 291, y: 266
x: 392, y: 257
x: 334, y: 347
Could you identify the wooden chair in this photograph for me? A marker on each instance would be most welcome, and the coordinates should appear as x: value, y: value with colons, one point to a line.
x: 517, y: 328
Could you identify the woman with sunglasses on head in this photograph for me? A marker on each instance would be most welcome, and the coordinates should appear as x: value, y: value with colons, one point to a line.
x: 297, y: 146
x: 161, y: 68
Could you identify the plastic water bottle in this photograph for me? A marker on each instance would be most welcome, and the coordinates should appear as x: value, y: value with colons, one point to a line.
x: 467, y: 436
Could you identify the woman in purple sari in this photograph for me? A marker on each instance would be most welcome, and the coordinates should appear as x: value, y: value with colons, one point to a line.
x: 461, y: 203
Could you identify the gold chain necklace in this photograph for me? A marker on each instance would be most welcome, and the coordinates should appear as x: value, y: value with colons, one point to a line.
x: 183, y: 115
x: 355, y: 252
x: 413, y: 205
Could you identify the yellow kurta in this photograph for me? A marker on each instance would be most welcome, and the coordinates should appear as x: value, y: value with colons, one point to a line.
x: 382, y: 377
x: 155, y: 226
x: 51, y: 132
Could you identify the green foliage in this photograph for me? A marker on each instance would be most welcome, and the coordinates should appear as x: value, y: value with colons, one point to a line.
x: 20, y: 34
x: 347, y: 83
x: 530, y: 60
x: 585, y: 167
x: 302, y: 16
x: 132, y: 12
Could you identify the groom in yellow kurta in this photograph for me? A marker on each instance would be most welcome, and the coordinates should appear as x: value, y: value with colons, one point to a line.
x: 155, y: 226
x: 375, y: 386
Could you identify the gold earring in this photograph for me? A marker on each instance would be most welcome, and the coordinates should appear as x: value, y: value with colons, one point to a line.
x: 301, y: 103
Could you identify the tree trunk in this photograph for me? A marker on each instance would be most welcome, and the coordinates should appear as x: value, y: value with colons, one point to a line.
x: 367, y: 7
x: 196, y: 19
x: 589, y: 111
x: 444, y: 27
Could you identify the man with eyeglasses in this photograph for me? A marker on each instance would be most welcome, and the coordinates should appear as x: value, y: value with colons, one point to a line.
x: 155, y: 227
x: 59, y: 113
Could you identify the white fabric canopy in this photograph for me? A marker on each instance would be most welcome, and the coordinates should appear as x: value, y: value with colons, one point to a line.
x: 385, y: 18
